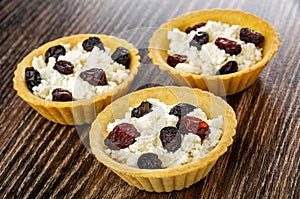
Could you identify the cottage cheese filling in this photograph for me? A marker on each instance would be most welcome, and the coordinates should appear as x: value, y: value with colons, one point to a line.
x: 82, y: 61
x: 149, y: 126
x: 210, y: 58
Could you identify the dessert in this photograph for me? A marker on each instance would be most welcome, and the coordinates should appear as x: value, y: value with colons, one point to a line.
x: 163, y: 138
x: 212, y: 46
x: 71, y: 79
x: 177, y: 134
x: 222, y: 51
x: 85, y: 71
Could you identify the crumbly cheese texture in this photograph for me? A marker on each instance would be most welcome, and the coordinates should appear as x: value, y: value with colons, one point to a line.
x: 210, y: 58
x: 82, y: 61
x: 149, y: 126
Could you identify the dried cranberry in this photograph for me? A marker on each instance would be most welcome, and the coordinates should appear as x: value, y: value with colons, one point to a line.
x: 229, y: 67
x: 32, y: 77
x: 170, y: 138
x: 141, y: 110
x: 230, y: 47
x: 91, y: 42
x: 64, y: 67
x: 199, y: 39
x: 189, y: 124
x: 121, y: 56
x: 181, y: 109
x: 149, y: 161
x: 121, y: 136
x: 250, y: 36
x: 94, y: 76
x: 195, y: 27
x: 55, y: 52
x: 173, y: 60
x: 61, y: 95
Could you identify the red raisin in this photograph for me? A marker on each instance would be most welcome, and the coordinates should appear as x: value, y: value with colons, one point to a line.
x: 229, y: 67
x: 141, y: 110
x: 32, y: 77
x: 91, y: 42
x: 173, y: 60
x: 231, y: 47
x: 94, y: 76
x: 189, y: 124
x: 122, y: 136
x: 61, y: 95
x: 170, y: 138
x: 64, y: 67
x: 181, y: 109
x: 55, y: 52
x: 149, y: 161
x: 250, y: 36
x: 199, y: 39
x: 195, y: 27
x: 121, y: 56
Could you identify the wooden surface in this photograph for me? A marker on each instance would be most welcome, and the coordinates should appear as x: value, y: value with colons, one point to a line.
x: 41, y: 159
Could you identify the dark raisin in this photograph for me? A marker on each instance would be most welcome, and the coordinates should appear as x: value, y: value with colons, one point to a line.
x: 61, y: 95
x: 173, y: 60
x: 121, y: 56
x: 181, y: 109
x: 170, y: 138
x: 195, y: 27
x: 55, y: 52
x: 94, y: 76
x: 121, y: 136
x: 229, y: 67
x: 189, y: 124
x: 32, y: 77
x: 199, y: 39
x: 64, y: 67
x: 250, y: 36
x: 91, y: 42
x: 141, y: 110
x: 230, y: 47
x: 149, y: 161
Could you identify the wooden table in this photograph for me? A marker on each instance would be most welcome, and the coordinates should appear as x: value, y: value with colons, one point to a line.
x: 41, y: 159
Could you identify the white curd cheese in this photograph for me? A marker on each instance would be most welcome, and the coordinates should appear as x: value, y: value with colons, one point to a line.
x: 82, y: 61
x: 149, y: 126
x: 210, y: 58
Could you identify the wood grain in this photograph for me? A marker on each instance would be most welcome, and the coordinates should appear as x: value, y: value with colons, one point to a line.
x: 41, y: 159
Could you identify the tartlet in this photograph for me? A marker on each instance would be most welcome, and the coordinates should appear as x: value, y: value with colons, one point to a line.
x: 78, y: 111
x: 168, y: 179
x: 219, y: 84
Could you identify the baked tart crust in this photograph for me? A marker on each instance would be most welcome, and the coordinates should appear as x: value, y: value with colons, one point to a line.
x: 222, y: 84
x: 169, y: 179
x: 81, y: 111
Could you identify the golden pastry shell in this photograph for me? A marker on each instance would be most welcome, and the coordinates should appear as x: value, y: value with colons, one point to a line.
x: 169, y: 179
x: 222, y: 84
x: 81, y: 111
